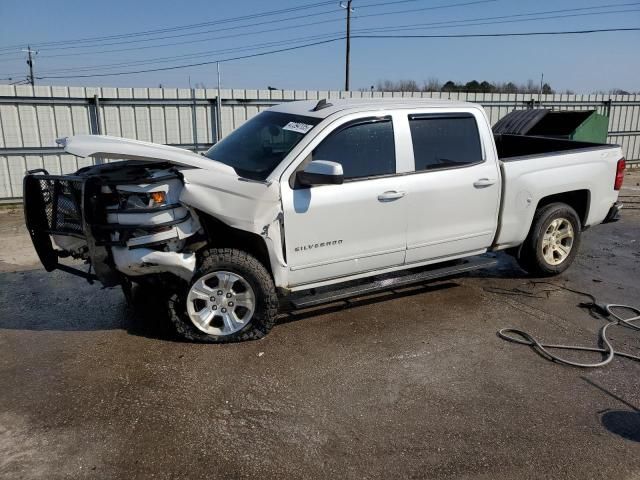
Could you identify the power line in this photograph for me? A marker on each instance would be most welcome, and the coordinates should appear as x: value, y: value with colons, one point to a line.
x: 441, y: 24
x: 181, y: 35
x: 43, y: 46
x: 470, y: 35
x: 424, y: 9
x: 384, y: 4
x: 175, y: 67
x: 477, y: 22
x: 194, y: 55
x: 177, y: 28
x: 513, y: 34
x: 236, y: 27
x: 171, y: 44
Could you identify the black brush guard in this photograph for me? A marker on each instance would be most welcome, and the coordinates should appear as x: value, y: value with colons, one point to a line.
x: 54, y: 205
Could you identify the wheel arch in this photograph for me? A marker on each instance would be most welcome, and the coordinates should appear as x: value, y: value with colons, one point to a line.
x: 579, y: 200
x: 530, y: 256
x: 221, y: 235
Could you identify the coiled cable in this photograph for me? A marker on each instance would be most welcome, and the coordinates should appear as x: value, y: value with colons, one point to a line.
x: 611, y: 312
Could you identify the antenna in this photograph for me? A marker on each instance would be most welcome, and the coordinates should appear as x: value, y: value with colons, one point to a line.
x: 321, y: 104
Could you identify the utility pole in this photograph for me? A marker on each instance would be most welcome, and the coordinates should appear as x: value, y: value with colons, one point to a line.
x: 540, y: 94
x: 348, y: 8
x: 30, y: 78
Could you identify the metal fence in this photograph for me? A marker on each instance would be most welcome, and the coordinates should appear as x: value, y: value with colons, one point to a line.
x: 31, y: 118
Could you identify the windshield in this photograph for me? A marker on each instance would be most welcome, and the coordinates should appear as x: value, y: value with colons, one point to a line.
x: 260, y: 144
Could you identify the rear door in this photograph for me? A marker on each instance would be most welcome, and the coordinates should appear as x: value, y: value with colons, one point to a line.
x: 339, y: 230
x: 454, y: 192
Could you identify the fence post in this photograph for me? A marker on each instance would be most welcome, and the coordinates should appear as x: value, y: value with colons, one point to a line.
x: 94, y: 116
x: 218, y: 117
x: 95, y: 123
x: 194, y: 121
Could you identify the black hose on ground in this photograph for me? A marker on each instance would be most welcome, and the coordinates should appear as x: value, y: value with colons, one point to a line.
x: 610, y: 312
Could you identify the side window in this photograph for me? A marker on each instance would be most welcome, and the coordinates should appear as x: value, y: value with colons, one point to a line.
x: 444, y: 141
x: 364, y: 147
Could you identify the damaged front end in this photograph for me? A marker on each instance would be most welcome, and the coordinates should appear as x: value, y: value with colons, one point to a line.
x: 124, y: 219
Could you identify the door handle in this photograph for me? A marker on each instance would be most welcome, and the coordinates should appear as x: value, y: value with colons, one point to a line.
x: 484, y: 182
x: 391, y: 195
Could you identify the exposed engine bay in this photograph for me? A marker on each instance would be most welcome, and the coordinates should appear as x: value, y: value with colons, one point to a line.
x: 122, y: 218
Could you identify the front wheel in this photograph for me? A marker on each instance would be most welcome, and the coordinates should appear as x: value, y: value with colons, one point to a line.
x: 553, y: 240
x: 231, y: 298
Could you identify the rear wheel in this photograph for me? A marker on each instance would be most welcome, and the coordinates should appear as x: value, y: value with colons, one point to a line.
x: 231, y: 298
x: 553, y: 240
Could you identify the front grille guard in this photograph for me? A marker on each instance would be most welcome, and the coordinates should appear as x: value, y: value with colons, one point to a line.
x: 53, y: 205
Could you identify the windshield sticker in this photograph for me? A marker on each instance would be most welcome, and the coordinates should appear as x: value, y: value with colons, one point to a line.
x: 297, y: 127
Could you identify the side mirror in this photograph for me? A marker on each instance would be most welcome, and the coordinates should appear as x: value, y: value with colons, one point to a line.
x: 321, y: 172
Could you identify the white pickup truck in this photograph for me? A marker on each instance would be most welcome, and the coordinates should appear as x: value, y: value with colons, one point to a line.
x: 307, y: 195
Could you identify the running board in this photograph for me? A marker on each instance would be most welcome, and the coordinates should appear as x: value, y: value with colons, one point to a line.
x: 388, y: 282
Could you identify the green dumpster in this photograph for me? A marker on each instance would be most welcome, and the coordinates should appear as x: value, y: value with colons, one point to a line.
x: 581, y: 125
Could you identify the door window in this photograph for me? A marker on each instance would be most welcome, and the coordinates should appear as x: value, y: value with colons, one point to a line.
x: 444, y: 141
x: 364, y: 148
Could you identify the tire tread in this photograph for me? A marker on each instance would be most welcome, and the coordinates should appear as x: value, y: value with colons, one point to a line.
x: 530, y: 258
x: 267, y: 301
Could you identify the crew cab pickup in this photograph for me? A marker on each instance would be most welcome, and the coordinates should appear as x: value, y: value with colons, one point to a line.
x: 313, y: 197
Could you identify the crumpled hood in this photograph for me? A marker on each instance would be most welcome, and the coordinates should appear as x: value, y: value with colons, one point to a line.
x: 245, y: 204
x: 123, y: 148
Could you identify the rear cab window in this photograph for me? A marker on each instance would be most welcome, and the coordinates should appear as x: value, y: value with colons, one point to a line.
x: 444, y: 140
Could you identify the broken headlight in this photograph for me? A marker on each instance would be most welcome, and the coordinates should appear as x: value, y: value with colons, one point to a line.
x: 140, y: 201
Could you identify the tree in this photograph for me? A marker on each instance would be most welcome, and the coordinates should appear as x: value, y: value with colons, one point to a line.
x: 486, y: 87
x: 449, y: 87
x: 510, y: 88
x: 619, y: 91
x: 434, y: 85
x: 472, y: 86
x: 407, y: 86
x: 385, y: 86
x: 431, y: 85
x: 546, y: 89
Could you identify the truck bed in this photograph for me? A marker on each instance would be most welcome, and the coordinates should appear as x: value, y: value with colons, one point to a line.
x: 533, y: 168
x: 517, y: 147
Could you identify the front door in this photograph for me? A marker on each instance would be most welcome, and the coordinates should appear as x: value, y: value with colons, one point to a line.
x: 338, y: 230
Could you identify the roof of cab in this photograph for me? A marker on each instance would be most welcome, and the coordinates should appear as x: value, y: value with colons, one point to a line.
x: 353, y: 105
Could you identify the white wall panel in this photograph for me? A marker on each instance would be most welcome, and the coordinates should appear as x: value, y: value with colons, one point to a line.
x: 127, y: 115
x: 17, y: 168
x: 11, y: 128
x: 5, y: 178
x: 30, y: 125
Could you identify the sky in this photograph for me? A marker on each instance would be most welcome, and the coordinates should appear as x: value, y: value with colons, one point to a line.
x: 581, y: 63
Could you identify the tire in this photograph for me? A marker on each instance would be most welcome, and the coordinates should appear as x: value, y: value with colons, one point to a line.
x: 218, y: 272
x: 541, y: 253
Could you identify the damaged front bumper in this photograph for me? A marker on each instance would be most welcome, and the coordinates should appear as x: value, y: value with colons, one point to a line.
x: 81, y: 216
